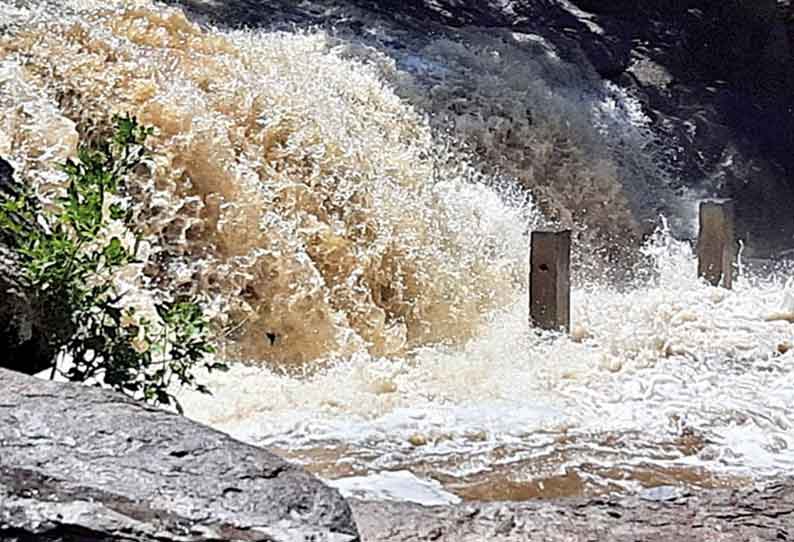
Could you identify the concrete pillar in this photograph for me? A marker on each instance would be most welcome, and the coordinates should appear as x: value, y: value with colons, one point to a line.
x: 717, y: 243
x: 550, y: 280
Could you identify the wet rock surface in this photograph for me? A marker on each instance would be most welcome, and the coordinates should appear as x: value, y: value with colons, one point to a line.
x: 716, y: 80
x: 81, y: 463
x: 30, y: 330
x: 658, y: 514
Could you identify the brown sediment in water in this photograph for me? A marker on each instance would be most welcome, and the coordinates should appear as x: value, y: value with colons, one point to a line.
x: 291, y: 185
x: 306, y: 183
x: 555, y: 475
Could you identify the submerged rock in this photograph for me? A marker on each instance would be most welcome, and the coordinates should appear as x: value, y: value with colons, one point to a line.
x: 663, y: 514
x: 81, y: 463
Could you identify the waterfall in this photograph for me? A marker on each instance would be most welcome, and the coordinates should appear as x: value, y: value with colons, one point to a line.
x: 356, y: 215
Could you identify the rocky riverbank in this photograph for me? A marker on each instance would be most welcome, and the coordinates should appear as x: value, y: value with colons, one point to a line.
x: 660, y: 514
x: 81, y: 463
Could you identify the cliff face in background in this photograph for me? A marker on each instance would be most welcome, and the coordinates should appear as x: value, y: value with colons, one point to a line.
x: 716, y: 78
x: 713, y: 77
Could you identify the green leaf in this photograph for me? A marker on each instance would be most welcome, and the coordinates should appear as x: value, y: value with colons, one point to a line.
x: 59, y: 253
x: 114, y: 253
x: 118, y: 211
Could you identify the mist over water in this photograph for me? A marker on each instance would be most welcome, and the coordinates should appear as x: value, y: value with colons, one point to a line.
x: 368, y: 266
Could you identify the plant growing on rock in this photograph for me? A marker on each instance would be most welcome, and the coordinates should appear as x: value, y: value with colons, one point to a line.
x: 70, y: 255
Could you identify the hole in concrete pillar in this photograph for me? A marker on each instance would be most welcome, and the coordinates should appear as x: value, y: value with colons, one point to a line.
x: 544, y: 267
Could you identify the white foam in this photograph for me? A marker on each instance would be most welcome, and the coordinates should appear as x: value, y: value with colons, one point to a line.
x: 673, y: 355
x: 394, y: 486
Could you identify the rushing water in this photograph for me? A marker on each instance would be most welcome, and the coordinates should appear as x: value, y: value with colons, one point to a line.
x: 672, y: 383
x: 372, y: 275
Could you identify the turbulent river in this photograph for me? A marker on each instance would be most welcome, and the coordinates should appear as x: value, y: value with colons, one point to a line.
x: 673, y: 384
x: 369, y: 273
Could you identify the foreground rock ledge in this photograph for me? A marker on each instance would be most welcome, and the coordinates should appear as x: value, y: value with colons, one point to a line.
x: 84, y: 464
x: 657, y: 515
x: 81, y: 463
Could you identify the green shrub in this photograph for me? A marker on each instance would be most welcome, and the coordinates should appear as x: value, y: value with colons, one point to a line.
x: 70, y: 260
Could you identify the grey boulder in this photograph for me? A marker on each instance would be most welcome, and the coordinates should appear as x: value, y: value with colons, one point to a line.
x: 83, y: 463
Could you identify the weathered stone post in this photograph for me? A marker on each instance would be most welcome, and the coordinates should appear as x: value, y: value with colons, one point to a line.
x: 549, y: 280
x: 716, y: 242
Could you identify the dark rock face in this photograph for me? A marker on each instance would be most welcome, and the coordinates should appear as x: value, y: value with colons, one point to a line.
x: 80, y: 463
x: 31, y: 330
x: 716, y: 78
x: 661, y: 514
